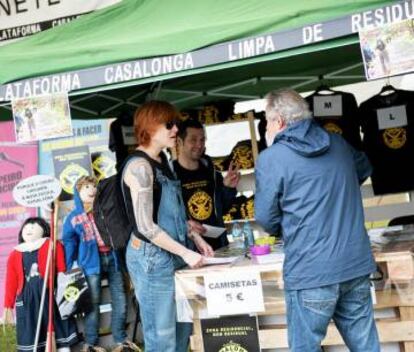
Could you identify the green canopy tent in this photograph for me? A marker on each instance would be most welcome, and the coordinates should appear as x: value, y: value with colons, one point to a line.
x: 192, y: 52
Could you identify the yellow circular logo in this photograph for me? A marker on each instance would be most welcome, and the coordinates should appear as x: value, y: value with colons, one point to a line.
x: 395, y: 138
x: 71, y: 293
x: 333, y: 127
x: 103, y: 167
x: 200, y: 205
x: 70, y: 175
x: 243, y: 157
x: 232, y: 347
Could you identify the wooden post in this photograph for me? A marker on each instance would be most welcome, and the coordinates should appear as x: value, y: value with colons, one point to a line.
x: 255, y: 149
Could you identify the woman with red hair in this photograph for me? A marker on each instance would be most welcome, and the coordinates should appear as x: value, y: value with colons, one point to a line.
x: 161, y: 242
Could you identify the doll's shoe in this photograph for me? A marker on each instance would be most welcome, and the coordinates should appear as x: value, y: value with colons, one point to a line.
x: 127, y: 346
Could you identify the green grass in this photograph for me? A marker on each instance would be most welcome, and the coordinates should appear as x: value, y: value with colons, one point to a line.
x: 7, y: 338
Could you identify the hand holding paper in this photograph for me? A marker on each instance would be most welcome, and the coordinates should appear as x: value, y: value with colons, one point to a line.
x: 218, y: 260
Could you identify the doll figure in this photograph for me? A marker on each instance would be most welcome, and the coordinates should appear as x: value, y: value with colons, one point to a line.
x: 26, y: 272
x: 84, y: 244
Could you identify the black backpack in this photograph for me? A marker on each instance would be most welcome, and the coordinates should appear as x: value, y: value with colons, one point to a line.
x: 110, y: 211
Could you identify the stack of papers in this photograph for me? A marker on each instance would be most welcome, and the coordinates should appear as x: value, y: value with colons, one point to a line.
x: 218, y: 260
x: 213, y: 231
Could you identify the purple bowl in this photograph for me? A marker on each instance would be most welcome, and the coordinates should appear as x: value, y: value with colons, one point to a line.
x: 260, y: 250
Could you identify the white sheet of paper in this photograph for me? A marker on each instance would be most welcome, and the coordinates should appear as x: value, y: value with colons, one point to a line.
x: 393, y: 117
x: 269, y: 258
x: 218, y: 260
x: 327, y: 105
x: 213, y: 231
x: 230, y: 292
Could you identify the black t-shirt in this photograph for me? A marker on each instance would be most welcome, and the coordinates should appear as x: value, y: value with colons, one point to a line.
x: 198, y: 192
x: 337, y: 113
x: 121, y: 138
x: 241, y: 155
x: 198, y: 189
x: 388, y: 126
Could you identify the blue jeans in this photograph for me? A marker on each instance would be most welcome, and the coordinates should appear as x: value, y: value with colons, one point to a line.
x: 348, y: 304
x: 116, y: 286
x: 152, y: 272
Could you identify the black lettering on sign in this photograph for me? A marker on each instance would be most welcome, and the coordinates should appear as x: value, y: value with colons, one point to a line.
x: 19, y: 8
x: 392, y: 117
x: 11, y: 7
x: 5, y: 5
x: 328, y: 105
x: 49, y: 2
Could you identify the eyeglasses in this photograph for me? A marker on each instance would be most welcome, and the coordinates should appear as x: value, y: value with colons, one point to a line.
x: 170, y: 124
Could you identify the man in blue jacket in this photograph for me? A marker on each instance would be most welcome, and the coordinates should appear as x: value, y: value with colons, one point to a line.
x: 84, y: 244
x: 307, y: 189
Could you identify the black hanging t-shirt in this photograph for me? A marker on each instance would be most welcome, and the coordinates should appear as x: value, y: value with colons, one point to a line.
x: 121, y: 138
x: 388, y: 126
x: 198, y: 192
x: 337, y: 113
x: 241, y: 155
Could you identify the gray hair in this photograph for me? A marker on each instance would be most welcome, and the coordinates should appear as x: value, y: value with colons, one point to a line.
x: 288, y: 104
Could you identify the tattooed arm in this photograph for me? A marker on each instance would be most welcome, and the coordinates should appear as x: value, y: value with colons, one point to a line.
x: 139, y: 178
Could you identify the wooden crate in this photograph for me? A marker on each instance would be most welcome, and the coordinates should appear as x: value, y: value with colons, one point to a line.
x: 397, y: 292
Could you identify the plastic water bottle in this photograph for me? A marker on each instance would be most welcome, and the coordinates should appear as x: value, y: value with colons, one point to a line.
x: 248, y: 235
x: 237, y: 234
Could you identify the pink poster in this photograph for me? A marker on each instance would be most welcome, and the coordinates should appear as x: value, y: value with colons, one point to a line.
x: 16, y: 163
x: 7, y: 133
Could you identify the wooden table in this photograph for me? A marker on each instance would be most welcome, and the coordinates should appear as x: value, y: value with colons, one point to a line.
x: 395, y: 290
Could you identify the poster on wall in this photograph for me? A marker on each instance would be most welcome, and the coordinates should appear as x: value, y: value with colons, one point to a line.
x: 40, y: 118
x: 103, y: 164
x: 226, y: 334
x: 7, y: 132
x: 93, y: 133
x: 70, y: 164
x: 388, y: 50
x: 23, y: 18
x: 16, y: 164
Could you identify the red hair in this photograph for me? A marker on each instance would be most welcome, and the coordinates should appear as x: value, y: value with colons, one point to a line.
x: 149, y: 116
